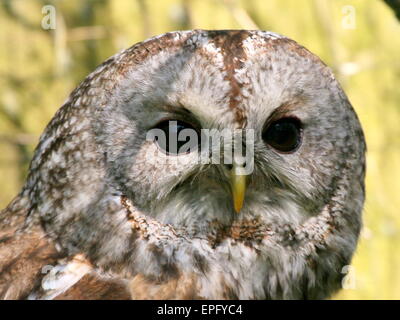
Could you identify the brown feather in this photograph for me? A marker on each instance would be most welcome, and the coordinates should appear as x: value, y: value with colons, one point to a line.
x: 177, y: 288
x: 94, y: 287
x: 23, y: 253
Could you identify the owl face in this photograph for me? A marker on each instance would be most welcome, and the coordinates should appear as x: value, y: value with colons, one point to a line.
x: 274, y: 212
x: 235, y: 81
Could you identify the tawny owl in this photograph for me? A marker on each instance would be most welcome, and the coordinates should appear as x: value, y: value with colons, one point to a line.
x: 109, y: 213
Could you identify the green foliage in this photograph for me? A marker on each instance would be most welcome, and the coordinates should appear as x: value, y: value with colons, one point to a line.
x: 39, y: 68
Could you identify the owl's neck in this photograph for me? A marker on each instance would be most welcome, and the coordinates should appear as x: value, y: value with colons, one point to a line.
x: 190, y: 265
x: 252, y: 232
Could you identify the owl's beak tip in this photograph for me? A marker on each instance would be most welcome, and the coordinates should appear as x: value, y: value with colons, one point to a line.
x: 238, y: 206
x: 238, y: 185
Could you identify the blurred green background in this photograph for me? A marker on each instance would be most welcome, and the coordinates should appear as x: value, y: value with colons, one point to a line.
x: 358, y: 39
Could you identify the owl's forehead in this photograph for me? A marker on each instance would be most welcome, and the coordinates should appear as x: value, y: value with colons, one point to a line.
x: 231, y: 72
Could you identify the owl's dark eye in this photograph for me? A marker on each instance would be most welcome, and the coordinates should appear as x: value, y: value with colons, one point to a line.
x: 284, y: 134
x: 176, y: 137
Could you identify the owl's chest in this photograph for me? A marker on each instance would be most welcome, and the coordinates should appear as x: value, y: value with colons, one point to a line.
x: 229, y: 271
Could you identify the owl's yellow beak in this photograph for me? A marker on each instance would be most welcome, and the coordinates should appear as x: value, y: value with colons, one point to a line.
x: 238, y: 186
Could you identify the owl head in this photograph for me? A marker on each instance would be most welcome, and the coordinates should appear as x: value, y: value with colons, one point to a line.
x: 225, y: 137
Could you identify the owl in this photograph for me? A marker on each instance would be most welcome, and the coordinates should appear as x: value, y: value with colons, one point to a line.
x: 122, y: 201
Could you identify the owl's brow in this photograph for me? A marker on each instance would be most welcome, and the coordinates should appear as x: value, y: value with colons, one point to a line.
x: 286, y: 109
x: 181, y: 111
